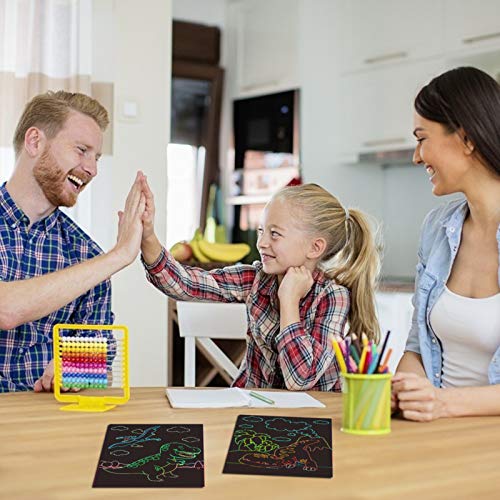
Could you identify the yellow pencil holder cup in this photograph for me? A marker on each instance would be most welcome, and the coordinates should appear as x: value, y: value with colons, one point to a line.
x: 366, y: 401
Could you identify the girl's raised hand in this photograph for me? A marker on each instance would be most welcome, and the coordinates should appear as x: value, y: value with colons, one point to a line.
x: 128, y: 241
x: 150, y: 246
x: 148, y: 217
x: 295, y: 284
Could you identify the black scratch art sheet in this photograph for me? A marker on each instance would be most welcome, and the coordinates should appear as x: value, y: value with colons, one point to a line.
x: 151, y: 456
x: 281, y: 446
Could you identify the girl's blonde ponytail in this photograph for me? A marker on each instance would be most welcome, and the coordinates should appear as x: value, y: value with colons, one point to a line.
x: 356, y: 266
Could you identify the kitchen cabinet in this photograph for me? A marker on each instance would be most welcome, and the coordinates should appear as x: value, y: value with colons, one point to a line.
x: 378, y: 106
x: 472, y: 26
x: 390, y: 31
x: 390, y: 48
x: 266, y: 46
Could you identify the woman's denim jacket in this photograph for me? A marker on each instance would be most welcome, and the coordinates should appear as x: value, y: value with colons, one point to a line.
x: 439, y: 242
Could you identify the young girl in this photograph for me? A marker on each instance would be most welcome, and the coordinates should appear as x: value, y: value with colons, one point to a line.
x: 451, y: 366
x: 317, y: 272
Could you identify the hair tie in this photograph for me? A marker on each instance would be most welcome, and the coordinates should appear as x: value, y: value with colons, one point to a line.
x: 347, y: 215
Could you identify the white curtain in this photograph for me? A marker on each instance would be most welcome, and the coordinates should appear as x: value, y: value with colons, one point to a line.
x: 44, y: 45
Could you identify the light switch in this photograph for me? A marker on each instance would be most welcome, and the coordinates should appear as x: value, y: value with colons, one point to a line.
x: 130, y: 109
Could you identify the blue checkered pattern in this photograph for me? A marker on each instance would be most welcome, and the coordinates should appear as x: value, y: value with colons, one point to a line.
x: 51, y: 244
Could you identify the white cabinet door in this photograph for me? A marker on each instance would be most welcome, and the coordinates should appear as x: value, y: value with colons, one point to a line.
x: 378, y: 111
x: 267, y: 37
x: 472, y: 25
x: 391, y: 31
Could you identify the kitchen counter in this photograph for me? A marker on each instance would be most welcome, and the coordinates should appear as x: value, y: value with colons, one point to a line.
x: 394, y: 285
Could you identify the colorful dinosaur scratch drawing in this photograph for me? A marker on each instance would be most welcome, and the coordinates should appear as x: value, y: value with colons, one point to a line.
x: 158, y: 466
x: 293, y: 455
x: 280, y: 446
x: 134, y: 440
x: 248, y: 440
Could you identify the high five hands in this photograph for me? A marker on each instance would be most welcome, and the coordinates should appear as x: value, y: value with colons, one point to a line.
x: 130, y: 223
x: 136, y: 221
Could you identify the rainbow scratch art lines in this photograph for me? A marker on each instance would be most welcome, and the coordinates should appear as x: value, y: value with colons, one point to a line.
x: 281, y: 446
x: 151, y: 456
x: 138, y: 436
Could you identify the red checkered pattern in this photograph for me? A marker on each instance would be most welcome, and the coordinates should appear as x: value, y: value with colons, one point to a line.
x: 300, y: 357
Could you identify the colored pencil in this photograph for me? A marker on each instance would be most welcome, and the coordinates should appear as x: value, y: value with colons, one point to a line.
x: 384, y: 345
x: 339, y: 356
x: 354, y: 366
x: 354, y: 353
x: 374, y: 361
x: 368, y: 359
x: 362, y: 360
x: 357, y: 345
x: 364, y: 339
x: 386, y: 360
x: 343, y: 348
x: 256, y: 395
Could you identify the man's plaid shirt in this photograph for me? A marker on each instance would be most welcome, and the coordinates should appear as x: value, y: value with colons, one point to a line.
x: 52, y: 243
x: 301, y: 356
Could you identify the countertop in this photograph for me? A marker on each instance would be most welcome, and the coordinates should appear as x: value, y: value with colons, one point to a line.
x: 396, y: 285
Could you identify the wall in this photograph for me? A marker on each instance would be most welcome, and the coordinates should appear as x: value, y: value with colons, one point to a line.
x: 398, y: 197
x: 407, y: 198
x: 214, y: 13
x: 103, y: 70
x: 211, y: 12
x: 132, y: 48
x: 322, y: 119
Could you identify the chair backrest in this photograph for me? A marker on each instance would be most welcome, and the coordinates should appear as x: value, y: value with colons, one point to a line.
x: 199, y: 323
x: 216, y: 320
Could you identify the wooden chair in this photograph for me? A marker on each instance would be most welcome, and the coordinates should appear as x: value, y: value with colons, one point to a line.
x: 199, y: 323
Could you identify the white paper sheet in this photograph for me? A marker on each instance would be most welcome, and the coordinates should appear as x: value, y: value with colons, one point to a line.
x: 235, y: 398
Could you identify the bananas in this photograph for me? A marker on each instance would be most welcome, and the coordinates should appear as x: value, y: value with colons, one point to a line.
x: 205, y: 251
x: 198, y: 254
x: 224, y: 252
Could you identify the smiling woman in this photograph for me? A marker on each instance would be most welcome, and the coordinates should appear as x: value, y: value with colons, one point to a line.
x: 451, y: 366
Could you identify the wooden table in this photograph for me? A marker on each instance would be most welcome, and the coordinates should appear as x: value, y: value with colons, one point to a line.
x: 49, y: 454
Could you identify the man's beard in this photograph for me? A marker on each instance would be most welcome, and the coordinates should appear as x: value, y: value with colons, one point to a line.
x: 52, y: 180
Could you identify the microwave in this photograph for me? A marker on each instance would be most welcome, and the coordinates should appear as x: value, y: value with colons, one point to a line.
x: 265, y: 123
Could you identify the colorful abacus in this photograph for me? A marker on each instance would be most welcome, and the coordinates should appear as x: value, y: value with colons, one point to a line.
x: 90, y: 362
x: 84, y: 362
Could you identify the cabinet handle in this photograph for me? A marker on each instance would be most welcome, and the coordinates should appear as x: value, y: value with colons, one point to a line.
x: 481, y: 38
x: 386, y: 57
x: 382, y: 142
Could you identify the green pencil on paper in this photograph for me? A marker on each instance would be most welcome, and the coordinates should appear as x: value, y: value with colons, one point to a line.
x: 256, y: 395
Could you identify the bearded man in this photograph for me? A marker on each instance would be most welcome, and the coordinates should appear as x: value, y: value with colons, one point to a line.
x: 51, y: 271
